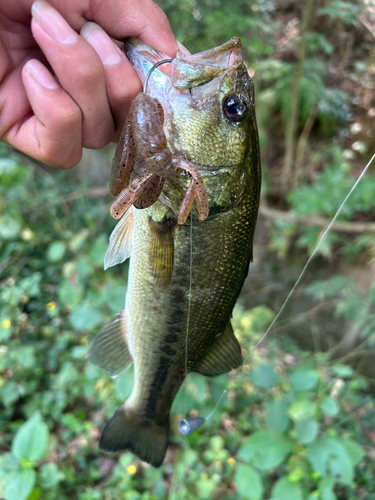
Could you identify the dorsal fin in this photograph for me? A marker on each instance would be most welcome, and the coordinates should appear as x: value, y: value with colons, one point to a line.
x: 161, y: 249
x: 223, y: 356
x: 109, y: 350
x: 120, y: 241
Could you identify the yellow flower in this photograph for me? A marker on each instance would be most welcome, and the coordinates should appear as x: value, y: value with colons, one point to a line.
x: 132, y: 469
x: 6, y: 323
x: 231, y: 461
x: 84, y: 341
x: 51, y: 306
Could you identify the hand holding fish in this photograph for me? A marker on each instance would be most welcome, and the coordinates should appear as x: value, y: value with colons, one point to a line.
x: 62, y: 78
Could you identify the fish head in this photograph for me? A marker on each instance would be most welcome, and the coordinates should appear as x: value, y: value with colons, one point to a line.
x: 208, y: 101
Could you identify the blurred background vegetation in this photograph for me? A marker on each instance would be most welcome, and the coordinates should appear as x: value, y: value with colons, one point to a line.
x: 297, y: 421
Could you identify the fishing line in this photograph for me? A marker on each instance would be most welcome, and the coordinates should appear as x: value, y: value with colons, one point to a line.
x: 192, y: 421
x: 189, y: 305
x: 300, y: 276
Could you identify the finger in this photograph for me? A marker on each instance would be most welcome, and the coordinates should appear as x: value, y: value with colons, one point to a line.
x: 183, y: 49
x: 142, y: 19
x: 53, y: 134
x: 122, y: 82
x: 4, y: 60
x: 78, y: 69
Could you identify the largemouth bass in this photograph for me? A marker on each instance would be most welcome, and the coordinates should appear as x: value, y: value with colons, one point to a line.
x: 184, y: 278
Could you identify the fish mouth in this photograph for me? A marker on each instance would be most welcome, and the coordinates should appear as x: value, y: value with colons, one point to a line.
x: 185, y: 71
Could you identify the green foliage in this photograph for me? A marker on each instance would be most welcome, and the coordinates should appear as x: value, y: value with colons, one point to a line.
x: 267, y: 439
x: 323, y: 198
x: 352, y: 303
x: 346, y: 12
x: 17, y: 468
x: 289, y: 425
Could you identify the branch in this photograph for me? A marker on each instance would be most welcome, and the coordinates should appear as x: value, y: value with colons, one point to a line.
x: 316, y: 220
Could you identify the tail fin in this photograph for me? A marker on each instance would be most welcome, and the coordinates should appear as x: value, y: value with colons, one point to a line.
x: 127, y: 431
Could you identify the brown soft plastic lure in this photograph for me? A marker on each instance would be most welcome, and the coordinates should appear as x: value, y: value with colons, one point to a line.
x: 143, y: 148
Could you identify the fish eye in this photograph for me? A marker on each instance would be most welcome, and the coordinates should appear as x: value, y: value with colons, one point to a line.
x: 235, y: 107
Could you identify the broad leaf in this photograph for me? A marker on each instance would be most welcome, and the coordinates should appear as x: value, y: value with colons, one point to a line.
x: 265, y: 449
x: 248, y: 482
x: 304, y: 378
x: 277, y: 415
x: 306, y: 429
x: 30, y: 442
x: 18, y: 484
x: 329, y: 406
x: 330, y: 458
x: 264, y: 376
x: 286, y: 490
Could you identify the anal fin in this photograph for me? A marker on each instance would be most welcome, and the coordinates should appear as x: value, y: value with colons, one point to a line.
x: 223, y: 356
x: 109, y: 350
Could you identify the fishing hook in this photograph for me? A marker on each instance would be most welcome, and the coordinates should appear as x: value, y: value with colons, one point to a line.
x: 151, y: 70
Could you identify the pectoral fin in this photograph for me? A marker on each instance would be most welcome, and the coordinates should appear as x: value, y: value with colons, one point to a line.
x: 222, y: 356
x: 161, y: 250
x: 120, y: 241
x: 109, y: 350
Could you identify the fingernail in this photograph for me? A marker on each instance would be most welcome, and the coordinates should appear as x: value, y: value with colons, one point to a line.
x: 183, y: 49
x: 41, y: 74
x: 108, y: 52
x: 53, y: 23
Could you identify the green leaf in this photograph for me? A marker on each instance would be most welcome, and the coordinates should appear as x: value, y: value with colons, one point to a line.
x: 304, y: 378
x: 9, y: 227
x: 35, y: 494
x: 306, y: 429
x: 277, y: 415
x: 18, y: 484
x: 326, y: 486
x: 56, y: 251
x: 25, y: 355
x: 329, y: 406
x: 205, y: 488
x: 354, y: 450
x: 264, y: 376
x: 124, y: 383
x: 49, y: 476
x: 30, y: 442
x: 9, y: 393
x: 301, y: 408
x: 114, y: 297
x: 286, y: 490
x: 69, y: 294
x: 265, y: 449
x: 84, y: 317
x: 8, y: 463
x: 343, y: 371
x: 330, y: 458
x: 248, y: 482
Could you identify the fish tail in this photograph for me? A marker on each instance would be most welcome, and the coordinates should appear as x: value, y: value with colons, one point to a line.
x: 129, y: 431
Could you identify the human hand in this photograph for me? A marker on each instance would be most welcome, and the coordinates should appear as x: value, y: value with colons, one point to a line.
x: 83, y: 98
